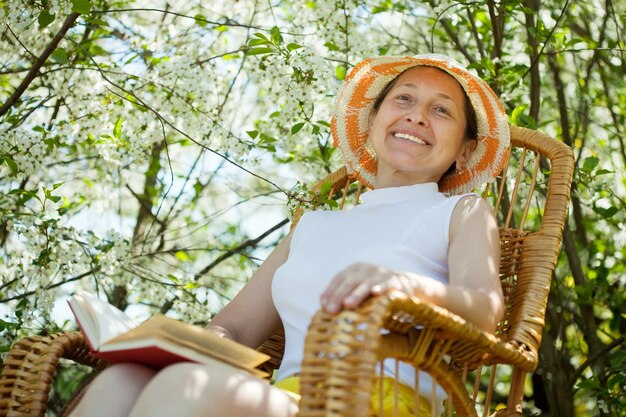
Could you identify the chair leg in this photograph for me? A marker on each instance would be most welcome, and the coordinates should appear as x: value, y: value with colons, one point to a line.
x: 516, y: 393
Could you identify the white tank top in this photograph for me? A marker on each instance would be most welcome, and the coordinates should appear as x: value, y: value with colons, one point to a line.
x: 400, y: 228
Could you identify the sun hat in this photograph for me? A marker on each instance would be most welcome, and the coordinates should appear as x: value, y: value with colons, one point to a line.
x: 365, y: 82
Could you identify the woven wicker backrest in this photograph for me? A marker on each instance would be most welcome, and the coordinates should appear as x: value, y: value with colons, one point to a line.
x: 531, y: 203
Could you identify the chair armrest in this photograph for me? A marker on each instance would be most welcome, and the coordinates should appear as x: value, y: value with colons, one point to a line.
x: 468, y: 345
x: 29, y: 369
x: 342, y: 350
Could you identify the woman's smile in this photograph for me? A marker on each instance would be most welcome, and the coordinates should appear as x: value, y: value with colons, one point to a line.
x: 410, y: 137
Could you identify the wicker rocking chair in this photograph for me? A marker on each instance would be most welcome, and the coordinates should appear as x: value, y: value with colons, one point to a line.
x: 342, y: 351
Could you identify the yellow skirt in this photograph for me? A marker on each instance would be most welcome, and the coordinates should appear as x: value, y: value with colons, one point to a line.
x: 406, y: 398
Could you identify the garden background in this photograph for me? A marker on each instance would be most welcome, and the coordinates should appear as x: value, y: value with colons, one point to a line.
x: 153, y: 151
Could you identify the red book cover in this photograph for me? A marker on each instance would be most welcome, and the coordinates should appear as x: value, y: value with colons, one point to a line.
x: 159, y: 341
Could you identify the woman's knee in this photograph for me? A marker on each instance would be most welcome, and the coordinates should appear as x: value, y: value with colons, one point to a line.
x: 121, y: 382
x: 127, y: 378
x: 183, y: 388
x: 193, y: 390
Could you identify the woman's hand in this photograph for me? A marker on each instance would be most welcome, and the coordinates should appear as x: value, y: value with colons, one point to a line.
x: 359, y: 281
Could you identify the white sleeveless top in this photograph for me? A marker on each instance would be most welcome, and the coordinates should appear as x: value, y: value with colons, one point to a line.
x: 399, y: 228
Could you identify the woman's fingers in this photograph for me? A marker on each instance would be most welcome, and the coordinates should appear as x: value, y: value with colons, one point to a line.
x: 354, y: 285
x: 357, y: 296
x: 339, y: 288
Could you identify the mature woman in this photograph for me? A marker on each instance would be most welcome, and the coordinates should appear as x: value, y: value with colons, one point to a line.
x: 422, y: 132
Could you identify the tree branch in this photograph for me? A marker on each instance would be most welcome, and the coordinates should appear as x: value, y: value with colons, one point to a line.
x: 535, y: 82
x: 32, y: 74
x: 597, y: 355
x: 247, y: 244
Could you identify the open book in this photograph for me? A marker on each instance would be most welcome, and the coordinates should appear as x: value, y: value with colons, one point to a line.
x: 157, y: 342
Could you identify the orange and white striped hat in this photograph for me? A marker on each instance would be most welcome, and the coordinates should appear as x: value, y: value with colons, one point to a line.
x: 365, y: 82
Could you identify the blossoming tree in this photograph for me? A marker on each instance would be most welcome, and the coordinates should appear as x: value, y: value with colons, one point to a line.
x: 152, y: 152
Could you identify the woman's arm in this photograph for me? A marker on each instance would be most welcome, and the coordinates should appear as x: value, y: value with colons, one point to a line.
x: 250, y: 318
x: 474, y: 291
x: 474, y: 264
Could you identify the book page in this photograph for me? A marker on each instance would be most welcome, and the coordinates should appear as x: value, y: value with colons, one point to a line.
x: 190, y: 337
x: 99, y: 320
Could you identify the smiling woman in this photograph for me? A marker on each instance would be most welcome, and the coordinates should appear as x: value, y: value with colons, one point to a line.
x: 406, y: 235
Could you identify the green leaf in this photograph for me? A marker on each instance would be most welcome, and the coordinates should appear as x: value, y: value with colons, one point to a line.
x: 340, y: 72
x: 589, y: 384
x: 277, y: 38
x: 117, y: 129
x: 60, y: 56
x: 332, y: 46
x: 259, y: 51
x: 99, y: 22
x: 261, y: 36
x: 45, y: 18
x: 256, y: 42
x: 325, y: 188
x: 25, y: 196
x: 200, y: 20
x: 12, y: 166
x: 81, y: 6
x: 198, y: 187
x: 5, y: 325
x: 49, y: 196
x: 296, y: 128
x: 590, y: 163
x: 606, y: 213
x: 517, y: 113
x: 182, y: 256
x: 293, y: 46
x: 604, y: 172
x: 253, y: 133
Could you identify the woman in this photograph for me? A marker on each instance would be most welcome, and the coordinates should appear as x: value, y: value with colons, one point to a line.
x: 413, y: 128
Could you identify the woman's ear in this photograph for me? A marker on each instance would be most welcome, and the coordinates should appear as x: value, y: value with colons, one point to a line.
x: 468, y: 147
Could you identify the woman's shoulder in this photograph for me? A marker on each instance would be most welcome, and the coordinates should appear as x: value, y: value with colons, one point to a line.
x: 472, y: 208
x: 315, y: 217
x: 471, y: 201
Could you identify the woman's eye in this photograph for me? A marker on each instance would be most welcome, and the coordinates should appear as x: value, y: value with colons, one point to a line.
x: 403, y: 97
x: 442, y: 110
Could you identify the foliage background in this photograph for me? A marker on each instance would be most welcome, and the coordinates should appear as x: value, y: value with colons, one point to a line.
x: 151, y: 150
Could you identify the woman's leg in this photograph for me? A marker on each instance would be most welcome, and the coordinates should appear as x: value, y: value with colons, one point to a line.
x: 193, y: 390
x: 114, y: 391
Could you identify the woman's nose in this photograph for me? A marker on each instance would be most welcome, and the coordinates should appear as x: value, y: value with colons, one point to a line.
x: 417, y: 115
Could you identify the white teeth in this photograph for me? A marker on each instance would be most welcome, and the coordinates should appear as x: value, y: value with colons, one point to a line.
x: 410, y: 137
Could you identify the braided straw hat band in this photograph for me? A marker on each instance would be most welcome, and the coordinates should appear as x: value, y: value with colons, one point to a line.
x: 364, y: 84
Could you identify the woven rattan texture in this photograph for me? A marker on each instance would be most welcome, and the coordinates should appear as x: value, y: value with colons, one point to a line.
x: 29, y: 369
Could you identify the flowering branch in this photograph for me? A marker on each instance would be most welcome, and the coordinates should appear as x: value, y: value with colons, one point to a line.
x: 32, y: 73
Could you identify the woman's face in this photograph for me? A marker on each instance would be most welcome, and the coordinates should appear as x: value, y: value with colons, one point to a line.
x: 419, y: 129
